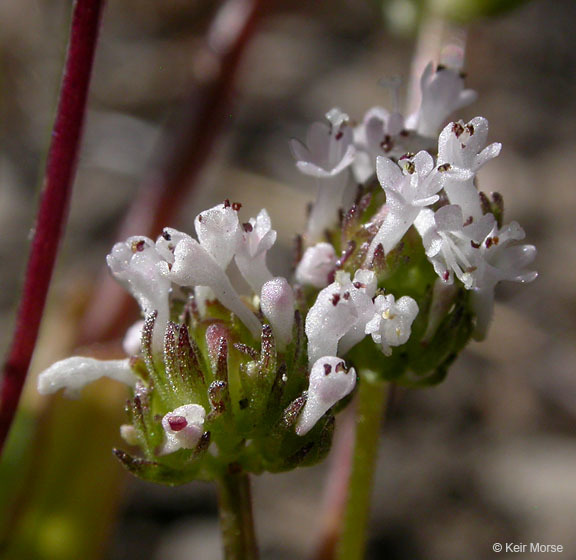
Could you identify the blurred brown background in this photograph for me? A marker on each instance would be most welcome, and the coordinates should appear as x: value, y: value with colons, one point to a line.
x: 490, y: 455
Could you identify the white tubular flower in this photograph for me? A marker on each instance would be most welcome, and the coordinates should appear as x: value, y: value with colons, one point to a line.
x: 375, y: 136
x: 316, y: 264
x: 136, y: 263
x: 194, y: 266
x: 502, y: 259
x: 219, y: 232
x: 72, y: 374
x: 256, y: 240
x: 410, y: 185
x: 392, y: 323
x: 462, y: 148
x: 452, y: 245
x: 329, y: 149
x: 442, y: 93
x: 183, y: 427
x: 341, y: 309
x: 328, y: 153
x: 277, y: 304
x: 330, y: 382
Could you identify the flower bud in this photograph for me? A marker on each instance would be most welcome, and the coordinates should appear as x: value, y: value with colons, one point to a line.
x: 277, y: 303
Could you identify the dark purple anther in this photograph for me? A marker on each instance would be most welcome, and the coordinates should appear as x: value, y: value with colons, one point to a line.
x: 177, y: 423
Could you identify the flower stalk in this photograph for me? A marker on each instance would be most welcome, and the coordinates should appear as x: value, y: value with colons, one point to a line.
x: 236, y: 519
x: 54, y: 202
x: 371, y: 407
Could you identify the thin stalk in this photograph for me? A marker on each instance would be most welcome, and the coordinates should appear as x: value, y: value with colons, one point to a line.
x: 236, y: 520
x: 54, y: 203
x: 371, y: 406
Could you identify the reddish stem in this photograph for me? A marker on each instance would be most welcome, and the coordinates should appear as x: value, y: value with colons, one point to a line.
x: 199, y: 126
x: 54, y: 202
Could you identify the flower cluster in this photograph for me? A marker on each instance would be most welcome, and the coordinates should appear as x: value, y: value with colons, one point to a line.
x: 397, y: 270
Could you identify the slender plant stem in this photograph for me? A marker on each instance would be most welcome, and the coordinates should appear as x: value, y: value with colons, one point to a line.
x: 371, y: 405
x: 54, y: 202
x: 236, y: 520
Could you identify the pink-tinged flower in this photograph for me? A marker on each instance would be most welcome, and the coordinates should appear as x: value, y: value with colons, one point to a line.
x: 328, y: 154
x: 72, y: 374
x: 330, y: 382
x: 392, y: 323
x: 377, y: 135
x: 410, y: 185
x: 442, y: 93
x: 256, y: 240
x: 502, y: 259
x: 335, y: 323
x: 277, y: 303
x: 183, y: 427
x: 329, y: 148
x: 316, y: 265
x: 462, y: 150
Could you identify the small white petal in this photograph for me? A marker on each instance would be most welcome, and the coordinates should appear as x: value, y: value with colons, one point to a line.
x: 72, y: 374
x: 219, y: 232
x: 330, y: 382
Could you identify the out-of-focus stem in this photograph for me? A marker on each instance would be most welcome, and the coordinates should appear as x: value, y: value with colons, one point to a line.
x: 54, y: 202
x: 236, y: 520
x: 336, y: 489
x: 199, y: 127
x: 371, y: 405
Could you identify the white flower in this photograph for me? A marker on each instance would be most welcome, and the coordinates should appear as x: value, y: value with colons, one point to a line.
x: 410, y: 185
x: 194, y: 266
x: 183, y: 427
x: 328, y: 153
x: 339, y: 314
x: 330, y: 382
x: 452, y: 245
x: 502, y: 259
x: 462, y: 148
x: 329, y: 148
x: 256, y: 240
x: 442, y: 93
x: 72, y: 374
x: 135, y: 264
x: 316, y: 264
x: 277, y: 304
x: 375, y: 136
x: 391, y: 325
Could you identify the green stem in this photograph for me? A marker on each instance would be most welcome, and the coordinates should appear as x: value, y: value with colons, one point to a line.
x: 236, y: 520
x: 371, y: 405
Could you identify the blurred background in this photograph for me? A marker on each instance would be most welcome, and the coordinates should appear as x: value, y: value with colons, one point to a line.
x: 488, y: 456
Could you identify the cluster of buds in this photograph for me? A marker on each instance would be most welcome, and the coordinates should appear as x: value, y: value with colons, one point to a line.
x: 396, y: 272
